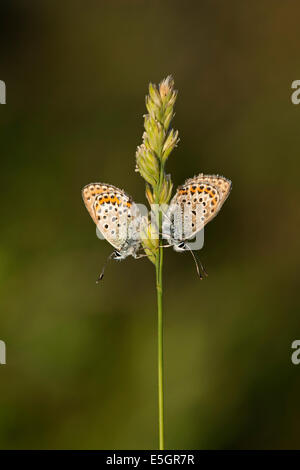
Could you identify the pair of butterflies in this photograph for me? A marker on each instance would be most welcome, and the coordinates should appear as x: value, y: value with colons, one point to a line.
x: 119, y: 219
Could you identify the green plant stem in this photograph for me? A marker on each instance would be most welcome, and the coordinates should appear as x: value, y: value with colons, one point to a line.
x: 160, y: 330
x: 159, y: 288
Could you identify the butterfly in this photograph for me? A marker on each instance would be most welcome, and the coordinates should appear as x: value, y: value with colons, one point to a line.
x: 117, y: 218
x: 195, y: 204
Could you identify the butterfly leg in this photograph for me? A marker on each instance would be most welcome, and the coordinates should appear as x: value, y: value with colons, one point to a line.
x: 140, y: 256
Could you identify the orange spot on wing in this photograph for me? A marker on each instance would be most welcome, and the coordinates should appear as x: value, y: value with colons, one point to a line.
x: 114, y: 200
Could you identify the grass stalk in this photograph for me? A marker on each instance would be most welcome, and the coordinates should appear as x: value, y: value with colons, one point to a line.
x: 160, y: 329
x: 158, y: 142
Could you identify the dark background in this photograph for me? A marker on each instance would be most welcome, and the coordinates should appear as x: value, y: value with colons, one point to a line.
x: 81, y: 358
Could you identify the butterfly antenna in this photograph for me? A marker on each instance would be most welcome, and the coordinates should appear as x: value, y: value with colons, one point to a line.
x: 203, y: 269
x: 196, y: 263
x: 101, y: 275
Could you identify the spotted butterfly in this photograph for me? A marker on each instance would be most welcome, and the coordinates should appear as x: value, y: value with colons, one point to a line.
x: 198, y: 200
x: 117, y: 218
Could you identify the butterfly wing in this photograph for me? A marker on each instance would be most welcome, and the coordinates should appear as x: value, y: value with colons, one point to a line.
x: 195, y: 204
x: 116, y: 215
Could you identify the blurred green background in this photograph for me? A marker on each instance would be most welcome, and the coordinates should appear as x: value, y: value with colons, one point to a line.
x: 81, y: 358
